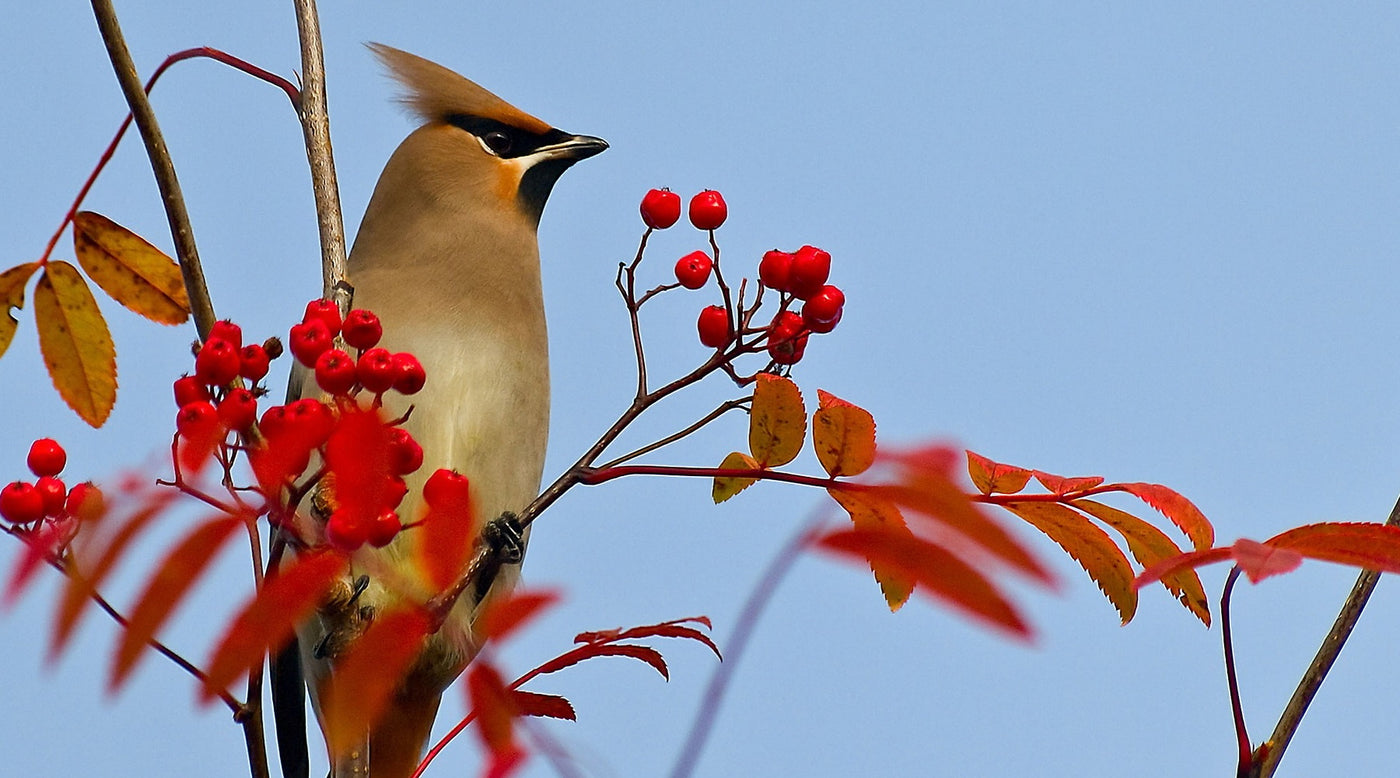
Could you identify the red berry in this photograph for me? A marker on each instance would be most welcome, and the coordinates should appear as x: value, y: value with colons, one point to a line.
x: 347, y: 530
x: 309, y: 340
x: 253, y: 362
x: 447, y: 490
x: 326, y: 311
x: 361, y: 329
x: 787, y: 339
x: 822, y: 310
x: 409, y: 376
x: 707, y: 210
x: 226, y: 330
x: 21, y: 502
x: 810, y: 268
x: 375, y: 370
x: 238, y: 410
x: 54, y: 493
x: 661, y: 208
x: 84, y: 502
x: 714, y: 327
x: 312, y: 420
x: 395, y: 491
x: 189, y: 389
x: 405, y: 455
x: 335, y: 372
x: 775, y: 270
x: 217, y: 362
x: 383, y: 529
x: 198, y: 420
x: 46, y: 457
x: 693, y: 269
x: 273, y: 422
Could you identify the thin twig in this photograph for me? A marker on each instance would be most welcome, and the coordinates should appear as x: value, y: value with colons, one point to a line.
x: 1245, y: 759
x: 1326, y: 655
x: 723, y: 408
x: 161, y: 165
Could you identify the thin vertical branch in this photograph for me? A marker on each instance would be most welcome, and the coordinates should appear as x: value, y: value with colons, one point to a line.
x: 161, y: 165
x: 1245, y: 761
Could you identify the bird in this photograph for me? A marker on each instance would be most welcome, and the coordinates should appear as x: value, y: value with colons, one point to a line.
x: 447, y: 256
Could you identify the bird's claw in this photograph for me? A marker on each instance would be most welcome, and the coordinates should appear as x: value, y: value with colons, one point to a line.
x: 506, y: 538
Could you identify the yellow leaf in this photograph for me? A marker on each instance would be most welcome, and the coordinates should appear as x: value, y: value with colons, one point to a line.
x: 728, y: 486
x: 777, y: 421
x: 873, y: 513
x: 1149, y: 546
x: 843, y: 436
x: 1090, y: 546
x: 131, y: 270
x: 76, y: 345
x: 12, y: 283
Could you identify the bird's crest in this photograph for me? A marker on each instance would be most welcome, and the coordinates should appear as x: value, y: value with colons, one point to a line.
x: 435, y: 93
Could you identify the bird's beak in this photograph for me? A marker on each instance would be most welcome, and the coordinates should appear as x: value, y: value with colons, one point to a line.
x: 572, y: 148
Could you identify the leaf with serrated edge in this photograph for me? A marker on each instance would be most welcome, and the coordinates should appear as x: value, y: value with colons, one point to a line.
x: 777, y: 421
x: 727, y: 486
x: 549, y: 705
x: 843, y: 436
x: 502, y: 617
x: 129, y: 269
x: 1090, y: 546
x: 871, y: 512
x: 12, y: 283
x: 1182, y: 512
x: 182, y: 567
x: 366, y: 677
x: 995, y: 478
x: 1149, y: 546
x: 1260, y: 561
x: 1058, y: 484
x: 75, y: 342
x: 1369, y: 546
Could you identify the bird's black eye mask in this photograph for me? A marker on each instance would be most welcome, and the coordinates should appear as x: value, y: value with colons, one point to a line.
x: 504, y: 140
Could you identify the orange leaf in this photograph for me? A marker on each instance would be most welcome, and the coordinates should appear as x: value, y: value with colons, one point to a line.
x: 12, y: 284
x: 995, y: 478
x: 1190, y: 559
x: 185, y: 563
x: 1149, y: 546
x: 843, y: 436
x: 267, y: 621
x: 727, y: 486
x: 1090, y: 546
x: 359, y: 691
x: 1260, y: 561
x: 777, y: 421
x: 548, y: 705
x: 357, y: 456
x: 503, y: 617
x: 1370, y: 546
x: 447, y: 535
x: 76, y: 345
x: 1180, y: 510
x: 1056, y: 484
x: 937, y: 572
x: 135, y: 273
x: 872, y: 512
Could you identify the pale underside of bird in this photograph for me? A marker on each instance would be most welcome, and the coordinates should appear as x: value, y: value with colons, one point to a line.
x: 447, y: 257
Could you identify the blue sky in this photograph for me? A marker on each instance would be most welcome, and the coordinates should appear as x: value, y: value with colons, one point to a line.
x: 1153, y: 242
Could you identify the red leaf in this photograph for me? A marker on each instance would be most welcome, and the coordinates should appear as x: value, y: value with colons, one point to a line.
x: 267, y: 621
x: 1180, y: 510
x: 492, y: 704
x: 936, y: 571
x: 1260, y: 561
x: 590, y: 650
x: 447, y: 536
x: 871, y: 511
x: 182, y: 567
x: 39, y: 544
x: 503, y: 617
x: 673, y: 630
x: 357, y: 456
x: 1057, y: 484
x: 1369, y: 546
x: 1090, y: 546
x: 366, y: 677
x: 1188, y: 560
x: 995, y: 478
x: 547, y: 705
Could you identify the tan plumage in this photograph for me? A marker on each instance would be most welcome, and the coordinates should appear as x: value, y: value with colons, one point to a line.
x: 447, y: 257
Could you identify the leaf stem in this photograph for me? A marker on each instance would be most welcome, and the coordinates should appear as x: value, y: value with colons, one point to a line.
x: 1241, y: 734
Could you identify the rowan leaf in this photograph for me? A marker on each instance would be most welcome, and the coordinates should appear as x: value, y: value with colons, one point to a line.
x: 591, y: 650
x: 843, y: 436
x: 75, y: 342
x: 357, y: 457
x: 129, y: 269
x: 777, y: 421
x: 493, y: 705
x: 936, y: 571
x: 995, y: 478
x: 547, y: 705
x: 502, y: 617
x: 1060, y: 485
x: 1190, y: 559
x: 183, y: 566
x: 1260, y: 560
x: 359, y: 691
x: 1370, y: 546
x: 12, y: 283
x: 872, y: 512
x: 267, y: 621
x: 727, y: 486
x: 1088, y: 545
x: 1174, y: 506
x: 1149, y: 546
x: 39, y: 544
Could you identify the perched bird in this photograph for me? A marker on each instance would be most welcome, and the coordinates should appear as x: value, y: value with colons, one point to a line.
x: 447, y: 256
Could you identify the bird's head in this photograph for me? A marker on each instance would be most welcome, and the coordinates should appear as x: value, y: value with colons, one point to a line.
x: 471, y: 135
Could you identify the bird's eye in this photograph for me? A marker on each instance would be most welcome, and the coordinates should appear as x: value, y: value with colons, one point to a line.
x: 498, y: 142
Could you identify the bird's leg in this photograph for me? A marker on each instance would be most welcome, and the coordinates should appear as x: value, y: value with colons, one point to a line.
x: 345, y: 618
x: 505, y: 543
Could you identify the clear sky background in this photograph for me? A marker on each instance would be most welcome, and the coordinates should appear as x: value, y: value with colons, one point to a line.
x: 1153, y: 242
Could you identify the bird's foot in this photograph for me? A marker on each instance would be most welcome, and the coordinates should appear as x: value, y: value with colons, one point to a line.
x: 345, y: 618
x: 506, y: 538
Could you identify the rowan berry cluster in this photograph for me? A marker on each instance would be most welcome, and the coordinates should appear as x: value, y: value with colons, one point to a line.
x: 47, y: 502
x: 799, y: 277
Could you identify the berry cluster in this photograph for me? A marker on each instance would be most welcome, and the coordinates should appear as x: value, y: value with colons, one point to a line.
x: 798, y: 276
x: 25, y: 503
